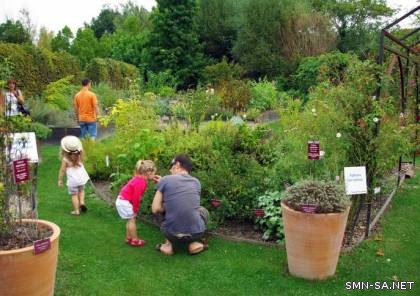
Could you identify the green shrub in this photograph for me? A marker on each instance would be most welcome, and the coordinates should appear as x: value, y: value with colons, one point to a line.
x: 235, y: 94
x: 59, y: 94
x: 263, y: 95
x: 223, y: 71
x: 161, y: 83
x: 34, y: 68
x: 45, y: 114
x: 107, y: 96
x: 21, y: 124
x: 271, y: 223
x: 116, y: 73
x: 327, y: 197
x: 312, y: 70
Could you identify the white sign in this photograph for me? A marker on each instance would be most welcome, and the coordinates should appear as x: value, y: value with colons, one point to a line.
x: 355, y: 180
x: 24, y: 146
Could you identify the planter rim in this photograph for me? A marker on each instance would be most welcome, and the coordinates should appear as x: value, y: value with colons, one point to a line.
x: 54, y: 236
x: 283, y: 205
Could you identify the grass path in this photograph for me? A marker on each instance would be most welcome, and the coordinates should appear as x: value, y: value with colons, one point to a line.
x: 94, y: 260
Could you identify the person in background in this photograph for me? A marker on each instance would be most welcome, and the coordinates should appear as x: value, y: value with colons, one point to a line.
x: 71, y: 164
x: 129, y: 199
x: 86, y: 110
x: 13, y: 99
x: 178, y: 199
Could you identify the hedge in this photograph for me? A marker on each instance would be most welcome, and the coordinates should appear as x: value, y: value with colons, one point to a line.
x: 114, y: 72
x: 34, y: 68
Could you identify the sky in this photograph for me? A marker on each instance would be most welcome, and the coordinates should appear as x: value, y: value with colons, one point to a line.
x: 55, y: 14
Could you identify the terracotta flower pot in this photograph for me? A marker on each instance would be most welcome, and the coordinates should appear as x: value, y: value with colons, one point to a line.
x: 24, y: 273
x: 313, y: 242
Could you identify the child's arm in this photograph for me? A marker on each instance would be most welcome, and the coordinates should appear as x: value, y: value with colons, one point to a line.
x: 61, y: 173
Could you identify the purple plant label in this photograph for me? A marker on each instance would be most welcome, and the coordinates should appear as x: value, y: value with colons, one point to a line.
x: 313, y: 150
x: 42, y: 245
x: 308, y: 208
x: 20, y: 170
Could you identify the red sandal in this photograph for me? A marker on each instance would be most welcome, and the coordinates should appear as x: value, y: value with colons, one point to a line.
x: 128, y: 240
x: 137, y: 242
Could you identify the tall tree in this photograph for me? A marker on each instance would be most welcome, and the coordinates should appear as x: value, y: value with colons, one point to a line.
x: 28, y: 24
x: 62, y: 40
x: 305, y: 32
x: 45, y: 38
x: 14, y: 32
x: 104, y: 23
x: 258, y: 46
x: 173, y: 43
x: 85, y: 46
x: 356, y: 21
x: 217, y: 28
x: 129, y: 10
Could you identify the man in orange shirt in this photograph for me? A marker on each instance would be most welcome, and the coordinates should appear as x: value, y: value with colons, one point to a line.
x: 86, y: 110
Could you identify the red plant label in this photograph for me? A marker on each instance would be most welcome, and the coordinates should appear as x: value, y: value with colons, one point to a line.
x: 41, y: 246
x: 216, y: 202
x: 20, y: 170
x: 313, y: 150
x: 259, y: 212
x: 308, y: 208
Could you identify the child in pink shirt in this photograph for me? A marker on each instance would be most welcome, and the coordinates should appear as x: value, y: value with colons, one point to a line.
x: 130, y: 196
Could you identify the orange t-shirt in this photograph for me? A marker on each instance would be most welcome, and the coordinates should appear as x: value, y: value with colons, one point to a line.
x: 85, y: 101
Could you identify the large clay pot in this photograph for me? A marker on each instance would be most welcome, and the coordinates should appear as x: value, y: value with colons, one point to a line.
x: 24, y: 273
x: 313, y: 242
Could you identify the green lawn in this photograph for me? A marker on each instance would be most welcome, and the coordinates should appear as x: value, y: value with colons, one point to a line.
x: 94, y: 260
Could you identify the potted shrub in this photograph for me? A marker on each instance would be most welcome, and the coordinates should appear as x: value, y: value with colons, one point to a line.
x: 314, y: 216
x: 28, y: 247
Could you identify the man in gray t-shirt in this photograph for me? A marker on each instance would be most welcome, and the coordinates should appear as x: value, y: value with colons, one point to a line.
x: 178, y: 199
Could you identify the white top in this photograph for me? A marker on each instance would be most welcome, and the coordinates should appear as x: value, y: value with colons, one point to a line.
x: 11, y: 104
x: 76, y: 176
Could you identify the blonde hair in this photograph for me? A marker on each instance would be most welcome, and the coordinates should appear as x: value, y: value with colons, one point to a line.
x: 74, y: 158
x: 145, y: 166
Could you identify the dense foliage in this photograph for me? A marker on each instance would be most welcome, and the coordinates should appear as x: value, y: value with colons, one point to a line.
x: 173, y: 41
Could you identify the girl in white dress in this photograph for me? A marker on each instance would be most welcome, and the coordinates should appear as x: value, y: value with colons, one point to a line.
x: 71, y: 165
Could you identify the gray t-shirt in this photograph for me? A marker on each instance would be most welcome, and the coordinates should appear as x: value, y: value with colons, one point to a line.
x: 181, y: 198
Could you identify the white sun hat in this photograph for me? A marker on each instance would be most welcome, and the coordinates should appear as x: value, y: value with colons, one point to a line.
x: 71, y: 144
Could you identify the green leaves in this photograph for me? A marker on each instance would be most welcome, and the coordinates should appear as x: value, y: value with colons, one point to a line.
x: 271, y: 223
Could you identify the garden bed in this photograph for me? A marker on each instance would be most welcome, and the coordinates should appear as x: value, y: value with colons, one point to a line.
x: 247, y: 232
x: 231, y: 230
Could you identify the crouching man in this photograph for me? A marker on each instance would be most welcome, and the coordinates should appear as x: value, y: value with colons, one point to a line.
x: 177, y: 199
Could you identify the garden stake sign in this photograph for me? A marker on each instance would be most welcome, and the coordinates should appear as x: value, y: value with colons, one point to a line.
x: 313, y: 150
x: 259, y: 213
x: 355, y: 180
x: 20, y: 170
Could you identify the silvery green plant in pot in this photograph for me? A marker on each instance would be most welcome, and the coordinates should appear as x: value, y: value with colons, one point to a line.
x: 314, y: 216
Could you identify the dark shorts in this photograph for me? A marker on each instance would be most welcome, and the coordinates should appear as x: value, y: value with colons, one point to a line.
x: 88, y: 129
x: 188, y: 237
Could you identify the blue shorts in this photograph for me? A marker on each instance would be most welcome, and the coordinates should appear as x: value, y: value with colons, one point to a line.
x: 88, y: 129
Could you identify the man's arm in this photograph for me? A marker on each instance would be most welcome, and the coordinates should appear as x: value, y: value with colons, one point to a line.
x: 95, y: 105
x: 157, y: 204
x: 76, y: 109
